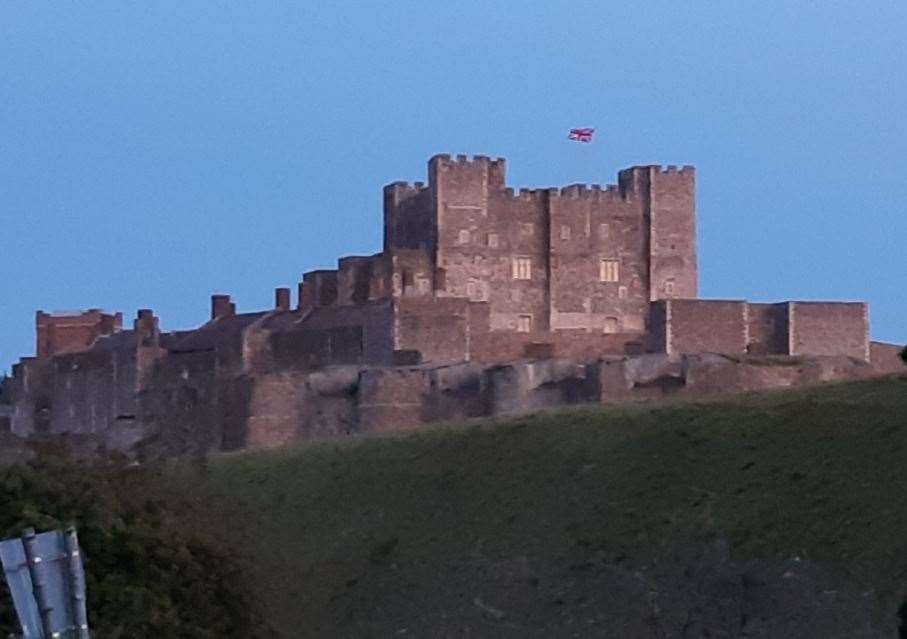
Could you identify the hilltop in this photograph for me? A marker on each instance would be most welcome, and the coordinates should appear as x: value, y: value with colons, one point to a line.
x: 778, y: 514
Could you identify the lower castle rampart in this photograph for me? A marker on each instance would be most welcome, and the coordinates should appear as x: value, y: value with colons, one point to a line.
x: 200, y: 414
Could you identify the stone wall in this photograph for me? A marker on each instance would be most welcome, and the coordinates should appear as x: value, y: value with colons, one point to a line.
x: 829, y: 328
x: 657, y: 376
x: 504, y: 347
x: 700, y: 326
x: 292, y: 406
x: 391, y: 399
x: 767, y: 326
x: 886, y: 358
x: 438, y: 328
x: 521, y: 387
x: 92, y: 391
x: 287, y: 408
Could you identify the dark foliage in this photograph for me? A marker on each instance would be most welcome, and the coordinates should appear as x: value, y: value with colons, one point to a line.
x: 153, y: 567
x: 904, y: 354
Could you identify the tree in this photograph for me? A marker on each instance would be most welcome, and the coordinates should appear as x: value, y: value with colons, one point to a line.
x: 157, y: 565
x: 904, y: 354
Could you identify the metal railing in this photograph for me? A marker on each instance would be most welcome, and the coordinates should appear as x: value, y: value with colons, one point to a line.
x: 47, y: 583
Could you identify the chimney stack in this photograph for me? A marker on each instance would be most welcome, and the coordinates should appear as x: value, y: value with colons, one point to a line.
x: 145, y: 320
x: 221, y: 306
x: 303, y: 300
x: 282, y: 299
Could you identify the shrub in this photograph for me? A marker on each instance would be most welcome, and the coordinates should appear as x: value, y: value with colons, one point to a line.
x: 904, y: 354
x: 153, y: 568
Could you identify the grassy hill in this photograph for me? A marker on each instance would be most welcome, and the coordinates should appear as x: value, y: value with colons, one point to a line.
x: 561, y: 523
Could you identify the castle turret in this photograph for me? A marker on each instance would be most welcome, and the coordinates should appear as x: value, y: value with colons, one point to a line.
x: 669, y: 201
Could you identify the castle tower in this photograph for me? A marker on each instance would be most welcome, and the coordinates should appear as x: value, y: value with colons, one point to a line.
x: 579, y: 258
x: 669, y: 200
x: 492, y: 244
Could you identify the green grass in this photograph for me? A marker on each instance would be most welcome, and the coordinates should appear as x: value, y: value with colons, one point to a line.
x: 344, y: 529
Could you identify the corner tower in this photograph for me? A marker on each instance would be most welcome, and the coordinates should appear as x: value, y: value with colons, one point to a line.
x: 669, y: 204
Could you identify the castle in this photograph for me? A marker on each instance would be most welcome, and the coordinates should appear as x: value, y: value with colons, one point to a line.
x: 472, y: 275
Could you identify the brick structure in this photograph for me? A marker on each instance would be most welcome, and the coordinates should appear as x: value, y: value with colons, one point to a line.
x: 472, y: 274
x: 69, y: 332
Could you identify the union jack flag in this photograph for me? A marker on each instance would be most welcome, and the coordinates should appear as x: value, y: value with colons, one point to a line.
x: 581, y: 135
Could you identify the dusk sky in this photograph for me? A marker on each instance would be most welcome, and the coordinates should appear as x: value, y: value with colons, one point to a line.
x: 152, y: 153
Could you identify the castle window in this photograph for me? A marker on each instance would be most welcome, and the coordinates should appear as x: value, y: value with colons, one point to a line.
x: 527, y: 228
x: 565, y: 232
x: 669, y: 286
x: 622, y: 292
x: 612, y: 325
x: 407, y: 278
x: 463, y: 237
x: 471, y: 289
x: 609, y: 270
x: 524, y: 324
x: 492, y: 240
x: 522, y: 268
x: 603, y: 231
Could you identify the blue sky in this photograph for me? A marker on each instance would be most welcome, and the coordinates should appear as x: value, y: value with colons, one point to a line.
x: 152, y: 153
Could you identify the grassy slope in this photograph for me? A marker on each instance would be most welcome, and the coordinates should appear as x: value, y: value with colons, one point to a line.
x: 341, y: 527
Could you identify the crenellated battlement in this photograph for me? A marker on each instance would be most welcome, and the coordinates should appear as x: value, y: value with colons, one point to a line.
x: 671, y: 168
x: 463, y: 169
x: 402, y: 190
x: 526, y: 194
x: 592, y: 192
x: 462, y: 159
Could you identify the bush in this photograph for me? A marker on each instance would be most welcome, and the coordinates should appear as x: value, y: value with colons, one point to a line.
x: 153, y: 566
x: 904, y: 354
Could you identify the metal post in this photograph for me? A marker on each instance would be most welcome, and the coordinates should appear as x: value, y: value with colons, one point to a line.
x: 77, y: 582
x: 34, y: 559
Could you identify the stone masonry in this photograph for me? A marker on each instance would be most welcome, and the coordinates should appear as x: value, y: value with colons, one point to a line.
x: 474, y: 277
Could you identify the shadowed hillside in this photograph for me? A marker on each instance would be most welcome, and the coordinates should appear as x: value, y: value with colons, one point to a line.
x: 777, y: 515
